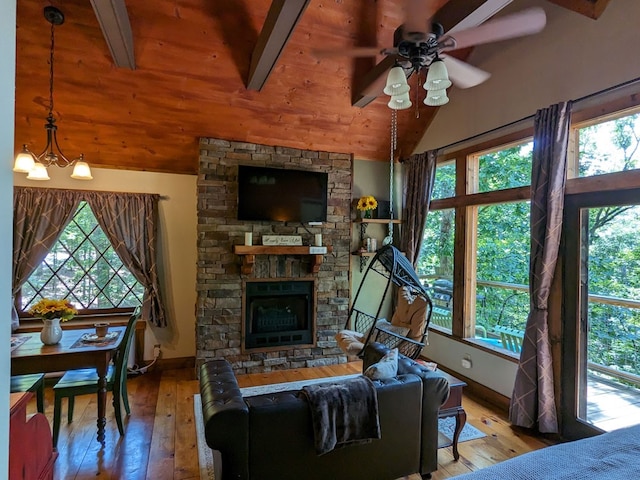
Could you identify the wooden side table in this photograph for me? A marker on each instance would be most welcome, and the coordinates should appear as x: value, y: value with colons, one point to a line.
x: 453, y: 408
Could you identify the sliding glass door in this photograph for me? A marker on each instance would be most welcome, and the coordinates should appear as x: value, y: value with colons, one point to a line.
x: 601, y: 337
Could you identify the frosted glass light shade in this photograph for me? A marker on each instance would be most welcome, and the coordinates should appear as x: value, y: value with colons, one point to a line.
x: 38, y: 172
x: 400, y: 102
x: 436, y: 98
x: 81, y: 171
x: 396, y: 82
x: 24, y: 161
x: 437, y: 76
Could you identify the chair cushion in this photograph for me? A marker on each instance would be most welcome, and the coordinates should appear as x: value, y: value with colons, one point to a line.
x: 82, y: 377
x: 350, y: 342
x: 387, y: 367
x: 411, y: 312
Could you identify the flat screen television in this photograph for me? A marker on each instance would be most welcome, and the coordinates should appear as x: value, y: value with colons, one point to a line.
x: 281, y: 195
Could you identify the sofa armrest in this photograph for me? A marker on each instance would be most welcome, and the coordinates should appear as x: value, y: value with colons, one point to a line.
x: 226, y: 417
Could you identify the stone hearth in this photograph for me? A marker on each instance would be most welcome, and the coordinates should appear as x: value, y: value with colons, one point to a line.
x: 220, y: 282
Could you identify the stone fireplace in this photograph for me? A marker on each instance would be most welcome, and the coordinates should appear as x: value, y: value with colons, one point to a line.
x: 283, y: 311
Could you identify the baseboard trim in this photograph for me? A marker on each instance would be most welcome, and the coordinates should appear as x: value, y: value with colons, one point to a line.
x: 481, y: 393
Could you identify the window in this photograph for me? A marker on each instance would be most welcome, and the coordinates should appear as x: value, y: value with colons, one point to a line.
x: 83, y: 267
x: 492, y: 218
x: 609, y: 146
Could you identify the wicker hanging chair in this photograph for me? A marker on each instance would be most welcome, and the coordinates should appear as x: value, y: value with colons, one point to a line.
x: 389, y: 267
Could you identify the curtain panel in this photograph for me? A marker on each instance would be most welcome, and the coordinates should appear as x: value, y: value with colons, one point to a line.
x: 130, y: 221
x: 419, y: 174
x: 533, y: 400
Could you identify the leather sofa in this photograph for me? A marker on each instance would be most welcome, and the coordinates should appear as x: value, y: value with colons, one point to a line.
x: 270, y: 437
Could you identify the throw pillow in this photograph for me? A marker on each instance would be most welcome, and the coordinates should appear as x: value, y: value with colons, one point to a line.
x: 387, y: 367
x: 350, y: 342
x: 397, y: 329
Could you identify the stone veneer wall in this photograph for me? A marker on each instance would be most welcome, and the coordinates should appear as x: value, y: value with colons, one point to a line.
x: 219, y: 281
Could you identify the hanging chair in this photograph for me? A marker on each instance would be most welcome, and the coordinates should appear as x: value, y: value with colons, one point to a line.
x: 408, y: 327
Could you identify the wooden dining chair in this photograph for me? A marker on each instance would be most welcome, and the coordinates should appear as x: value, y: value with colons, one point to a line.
x: 85, y: 381
x: 33, y: 382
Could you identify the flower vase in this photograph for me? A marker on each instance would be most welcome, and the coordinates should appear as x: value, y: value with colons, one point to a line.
x: 367, y: 214
x: 51, y: 332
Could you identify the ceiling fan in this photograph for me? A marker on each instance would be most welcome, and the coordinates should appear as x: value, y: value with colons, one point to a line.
x: 417, y: 47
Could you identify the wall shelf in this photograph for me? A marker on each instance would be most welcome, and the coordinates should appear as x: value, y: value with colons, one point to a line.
x: 364, y: 223
x: 249, y: 252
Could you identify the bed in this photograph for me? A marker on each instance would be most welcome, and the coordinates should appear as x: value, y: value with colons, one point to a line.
x: 611, y: 456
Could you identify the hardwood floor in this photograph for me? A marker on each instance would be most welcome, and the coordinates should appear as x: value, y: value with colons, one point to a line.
x: 160, y: 440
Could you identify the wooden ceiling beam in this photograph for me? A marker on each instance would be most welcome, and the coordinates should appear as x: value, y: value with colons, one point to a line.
x: 590, y: 8
x: 372, y: 83
x: 282, y: 18
x: 113, y: 18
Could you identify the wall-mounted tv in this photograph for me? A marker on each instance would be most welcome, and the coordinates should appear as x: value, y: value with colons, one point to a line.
x: 281, y: 195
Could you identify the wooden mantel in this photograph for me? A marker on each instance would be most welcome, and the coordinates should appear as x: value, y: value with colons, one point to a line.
x: 249, y: 252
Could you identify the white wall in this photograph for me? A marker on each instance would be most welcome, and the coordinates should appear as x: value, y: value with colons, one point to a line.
x: 7, y: 101
x: 177, y: 249
x: 574, y: 56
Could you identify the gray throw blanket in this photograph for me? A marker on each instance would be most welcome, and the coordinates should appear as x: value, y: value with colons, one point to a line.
x: 343, y: 412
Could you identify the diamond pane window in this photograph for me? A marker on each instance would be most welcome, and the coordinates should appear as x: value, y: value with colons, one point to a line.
x: 83, y: 267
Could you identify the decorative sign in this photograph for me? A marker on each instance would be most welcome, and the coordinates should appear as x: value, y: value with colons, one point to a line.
x: 281, y: 240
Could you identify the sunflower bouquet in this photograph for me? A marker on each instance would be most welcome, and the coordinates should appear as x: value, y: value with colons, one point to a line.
x: 366, y: 204
x: 48, y: 308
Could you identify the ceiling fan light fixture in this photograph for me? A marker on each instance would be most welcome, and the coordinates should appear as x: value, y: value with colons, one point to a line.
x: 400, y: 102
x: 436, y: 98
x: 396, y: 82
x: 437, y: 76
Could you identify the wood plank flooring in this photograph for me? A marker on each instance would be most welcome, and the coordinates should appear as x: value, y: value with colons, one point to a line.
x: 160, y: 440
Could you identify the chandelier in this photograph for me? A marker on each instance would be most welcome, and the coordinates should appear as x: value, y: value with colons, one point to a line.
x: 436, y: 85
x: 36, y: 165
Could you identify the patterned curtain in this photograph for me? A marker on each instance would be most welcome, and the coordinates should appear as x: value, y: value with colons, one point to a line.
x: 419, y: 174
x: 533, y: 399
x: 130, y: 222
x: 39, y: 216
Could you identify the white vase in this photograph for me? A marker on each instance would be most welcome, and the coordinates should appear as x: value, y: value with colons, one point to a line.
x: 51, y: 332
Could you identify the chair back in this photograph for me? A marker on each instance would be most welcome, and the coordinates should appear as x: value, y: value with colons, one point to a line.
x: 125, y: 348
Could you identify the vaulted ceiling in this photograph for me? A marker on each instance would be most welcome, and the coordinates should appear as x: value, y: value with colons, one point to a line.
x: 194, y: 77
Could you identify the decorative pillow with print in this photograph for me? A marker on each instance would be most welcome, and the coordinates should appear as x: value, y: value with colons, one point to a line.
x: 387, y: 367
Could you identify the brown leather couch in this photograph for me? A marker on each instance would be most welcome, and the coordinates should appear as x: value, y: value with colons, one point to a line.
x: 270, y: 437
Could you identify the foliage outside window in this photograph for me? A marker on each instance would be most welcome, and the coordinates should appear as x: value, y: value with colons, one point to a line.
x: 444, y: 185
x: 83, y: 267
x: 505, y: 168
x: 610, y: 146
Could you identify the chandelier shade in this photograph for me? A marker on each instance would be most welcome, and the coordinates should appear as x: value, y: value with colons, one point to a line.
x: 36, y: 165
x: 396, y: 82
x: 400, y: 102
x: 437, y: 76
x: 436, y: 98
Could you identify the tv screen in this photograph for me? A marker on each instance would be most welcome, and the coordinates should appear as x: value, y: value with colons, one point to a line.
x: 279, y: 195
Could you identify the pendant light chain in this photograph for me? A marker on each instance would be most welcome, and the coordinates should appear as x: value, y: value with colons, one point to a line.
x: 51, y: 70
x: 394, y: 141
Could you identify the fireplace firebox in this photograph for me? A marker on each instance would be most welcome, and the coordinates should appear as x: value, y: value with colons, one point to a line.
x: 278, y: 313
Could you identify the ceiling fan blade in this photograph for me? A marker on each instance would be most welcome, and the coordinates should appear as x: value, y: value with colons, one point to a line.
x: 415, y: 25
x: 480, y: 15
x: 352, y: 52
x: 526, y: 22
x: 464, y: 75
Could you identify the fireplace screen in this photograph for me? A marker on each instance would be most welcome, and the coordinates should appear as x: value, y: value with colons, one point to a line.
x: 278, y: 313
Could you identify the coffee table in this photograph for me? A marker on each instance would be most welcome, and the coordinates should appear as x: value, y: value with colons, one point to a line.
x: 453, y: 408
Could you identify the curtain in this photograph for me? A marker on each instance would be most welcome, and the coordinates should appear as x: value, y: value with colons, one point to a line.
x: 419, y: 174
x: 130, y: 222
x: 533, y: 399
x: 39, y: 216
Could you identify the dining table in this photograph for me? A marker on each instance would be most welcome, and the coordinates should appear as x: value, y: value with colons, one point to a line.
x: 78, y: 348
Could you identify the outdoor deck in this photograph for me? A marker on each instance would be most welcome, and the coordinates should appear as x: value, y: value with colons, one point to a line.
x: 612, y: 405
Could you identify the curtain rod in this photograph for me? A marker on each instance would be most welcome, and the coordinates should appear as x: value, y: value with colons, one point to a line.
x: 529, y: 117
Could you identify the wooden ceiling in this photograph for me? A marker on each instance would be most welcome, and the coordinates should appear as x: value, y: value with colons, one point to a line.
x: 193, y: 62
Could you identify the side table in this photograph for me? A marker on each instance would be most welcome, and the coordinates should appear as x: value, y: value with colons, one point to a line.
x: 453, y: 408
